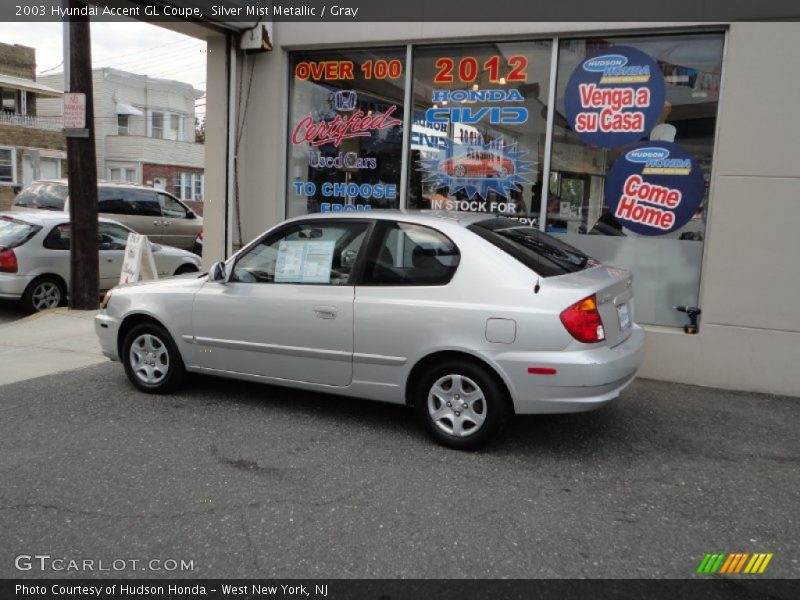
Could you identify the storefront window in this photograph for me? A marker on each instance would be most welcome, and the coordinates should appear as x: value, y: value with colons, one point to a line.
x: 631, y: 158
x: 479, y: 126
x: 630, y: 150
x: 345, y: 130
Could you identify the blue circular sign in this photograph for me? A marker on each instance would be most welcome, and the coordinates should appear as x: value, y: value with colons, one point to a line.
x: 654, y: 188
x: 615, y: 98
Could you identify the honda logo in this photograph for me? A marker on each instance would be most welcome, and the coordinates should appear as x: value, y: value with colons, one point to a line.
x: 344, y: 100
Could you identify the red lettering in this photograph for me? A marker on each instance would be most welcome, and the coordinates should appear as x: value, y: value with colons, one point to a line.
x: 651, y: 193
x: 614, y: 98
x: 629, y: 209
x: 345, y: 69
x: 612, y: 121
x: 341, y: 128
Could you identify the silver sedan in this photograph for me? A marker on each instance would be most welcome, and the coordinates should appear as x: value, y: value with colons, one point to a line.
x: 468, y: 318
x: 34, y: 257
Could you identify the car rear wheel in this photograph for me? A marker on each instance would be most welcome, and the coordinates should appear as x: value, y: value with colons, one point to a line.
x: 460, y: 171
x: 43, y: 293
x: 462, y: 404
x: 151, y: 358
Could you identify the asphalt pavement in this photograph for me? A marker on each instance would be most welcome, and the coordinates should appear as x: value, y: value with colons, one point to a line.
x: 246, y: 480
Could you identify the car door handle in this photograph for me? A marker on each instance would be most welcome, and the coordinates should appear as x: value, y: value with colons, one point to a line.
x: 156, y: 223
x: 165, y: 223
x: 325, y: 312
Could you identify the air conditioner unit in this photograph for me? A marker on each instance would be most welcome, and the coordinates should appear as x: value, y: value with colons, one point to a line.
x: 257, y: 39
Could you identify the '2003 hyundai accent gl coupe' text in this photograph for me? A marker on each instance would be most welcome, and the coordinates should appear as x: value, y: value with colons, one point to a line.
x: 468, y: 318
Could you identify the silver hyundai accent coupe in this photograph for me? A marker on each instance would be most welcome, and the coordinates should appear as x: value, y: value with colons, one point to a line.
x: 468, y: 318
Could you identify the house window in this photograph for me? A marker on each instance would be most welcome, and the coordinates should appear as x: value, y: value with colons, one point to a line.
x: 8, y: 166
x: 188, y: 186
x: 122, y: 124
x: 157, y: 125
x: 175, y: 125
x: 122, y: 174
x: 9, y: 100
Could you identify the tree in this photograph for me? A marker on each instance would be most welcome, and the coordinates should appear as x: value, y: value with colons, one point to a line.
x: 200, y: 130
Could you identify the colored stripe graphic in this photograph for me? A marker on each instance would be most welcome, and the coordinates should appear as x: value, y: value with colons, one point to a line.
x: 733, y: 563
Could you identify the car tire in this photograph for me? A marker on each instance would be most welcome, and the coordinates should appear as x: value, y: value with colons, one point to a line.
x: 460, y: 171
x: 152, y: 361
x: 183, y: 269
x: 483, y: 411
x: 43, y: 293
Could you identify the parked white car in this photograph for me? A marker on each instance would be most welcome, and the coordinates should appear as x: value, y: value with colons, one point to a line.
x: 34, y: 257
x: 467, y: 317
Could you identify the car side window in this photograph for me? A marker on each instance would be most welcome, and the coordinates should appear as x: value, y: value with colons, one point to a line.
x: 143, y: 203
x: 111, y: 201
x: 58, y: 238
x: 171, y: 207
x: 411, y: 254
x: 111, y: 236
x: 307, y: 253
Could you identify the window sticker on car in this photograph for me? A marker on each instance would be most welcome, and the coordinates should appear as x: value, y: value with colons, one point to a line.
x: 304, y: 261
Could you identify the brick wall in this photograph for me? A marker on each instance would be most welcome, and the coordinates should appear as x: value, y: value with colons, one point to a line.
x: 150, y: 171
x: 18, y: 61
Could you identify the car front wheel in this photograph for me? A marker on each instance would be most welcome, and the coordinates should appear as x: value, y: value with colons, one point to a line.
x: 462, y: 404
x: 151, y: 358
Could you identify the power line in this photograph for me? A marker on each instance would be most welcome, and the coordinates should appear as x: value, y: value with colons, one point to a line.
x: 150, y: 49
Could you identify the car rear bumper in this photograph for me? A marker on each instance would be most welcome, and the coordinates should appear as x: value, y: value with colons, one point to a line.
x: 107, y: 328
x: 13, y: 286
x: 583, y: 379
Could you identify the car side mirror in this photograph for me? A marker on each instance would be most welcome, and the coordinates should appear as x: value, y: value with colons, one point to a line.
x: 349, y: 258
x: 217, y: 272
x: 190, y: 214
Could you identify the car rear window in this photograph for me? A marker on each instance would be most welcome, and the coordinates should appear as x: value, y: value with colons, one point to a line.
x: 542, y: 253
x: 47, y: 196
x: 14, y: 232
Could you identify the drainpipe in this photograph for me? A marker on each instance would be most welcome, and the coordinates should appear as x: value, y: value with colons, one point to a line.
x: 230, y: 146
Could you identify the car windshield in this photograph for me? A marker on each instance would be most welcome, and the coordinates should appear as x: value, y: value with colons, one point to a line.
x: 45, y: 195
x: 538, y: 251
x: 14, y: 232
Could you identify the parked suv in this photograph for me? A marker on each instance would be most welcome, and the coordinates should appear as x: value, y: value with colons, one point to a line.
x: 155, y: 213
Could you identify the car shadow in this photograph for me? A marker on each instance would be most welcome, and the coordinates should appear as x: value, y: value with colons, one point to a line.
x: 577, y: 433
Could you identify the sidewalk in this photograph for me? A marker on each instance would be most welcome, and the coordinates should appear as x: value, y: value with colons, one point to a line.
x: 49, y: 342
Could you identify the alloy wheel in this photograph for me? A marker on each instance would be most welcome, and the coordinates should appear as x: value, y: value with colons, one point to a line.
x: 46, y: 295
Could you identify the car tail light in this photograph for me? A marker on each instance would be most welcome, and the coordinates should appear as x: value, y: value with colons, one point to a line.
x: 8, y: 261
x: 583, y: 322
x: 200, y: 235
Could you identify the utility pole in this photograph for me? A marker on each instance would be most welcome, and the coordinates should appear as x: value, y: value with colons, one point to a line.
x: 84, y: 282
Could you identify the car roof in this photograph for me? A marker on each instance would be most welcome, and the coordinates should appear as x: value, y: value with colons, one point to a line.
x: 422, y: 217
x: 102, y: 182
x: 47, y: 217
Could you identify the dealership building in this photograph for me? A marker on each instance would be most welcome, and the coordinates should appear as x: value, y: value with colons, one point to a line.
x: 666, y: 149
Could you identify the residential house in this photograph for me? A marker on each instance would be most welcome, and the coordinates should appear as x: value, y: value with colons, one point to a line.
x: 32, y: 146
x: 144, y: 131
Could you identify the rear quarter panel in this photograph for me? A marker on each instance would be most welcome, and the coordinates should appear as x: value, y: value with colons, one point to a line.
x: 404, y: 324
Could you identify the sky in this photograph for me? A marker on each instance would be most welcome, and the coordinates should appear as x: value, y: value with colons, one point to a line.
x: 131, y: 46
